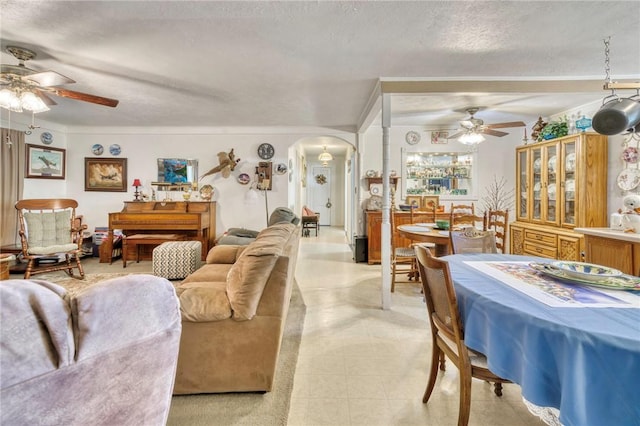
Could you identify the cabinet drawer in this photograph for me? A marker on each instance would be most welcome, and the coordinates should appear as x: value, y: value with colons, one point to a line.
x: 539, y: 250
x: 540, y: 237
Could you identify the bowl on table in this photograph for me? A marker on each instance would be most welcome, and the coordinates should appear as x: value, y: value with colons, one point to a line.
x: 442, y: 224
x: 586, y: 271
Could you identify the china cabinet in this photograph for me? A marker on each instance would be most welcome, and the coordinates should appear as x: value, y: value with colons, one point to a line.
x: 561, y: 184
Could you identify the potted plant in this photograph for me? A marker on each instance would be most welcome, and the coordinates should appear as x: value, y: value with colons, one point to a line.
x: 554, y: 129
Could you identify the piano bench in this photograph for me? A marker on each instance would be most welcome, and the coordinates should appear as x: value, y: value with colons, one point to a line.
x: 136, y: 240
x: 176, y: 260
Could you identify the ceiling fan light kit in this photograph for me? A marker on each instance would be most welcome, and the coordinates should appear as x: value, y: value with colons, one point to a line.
x: 472, y: 130
x: 26, y: 89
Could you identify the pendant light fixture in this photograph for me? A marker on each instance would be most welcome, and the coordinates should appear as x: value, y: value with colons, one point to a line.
x: 325, y: 157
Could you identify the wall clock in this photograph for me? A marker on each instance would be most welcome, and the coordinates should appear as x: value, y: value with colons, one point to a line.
x: 412, y: 137
x: 266, y: 151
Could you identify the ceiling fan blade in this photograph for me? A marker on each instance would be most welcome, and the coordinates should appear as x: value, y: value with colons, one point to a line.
x: 505, y: 125
x: 493, y: 132
x: 45, y: 98
x: 456, y: 135
x: 84, y: 97
x: 49, y: 78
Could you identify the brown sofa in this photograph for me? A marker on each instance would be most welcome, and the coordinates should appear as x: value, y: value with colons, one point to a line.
x: 105, y: 356
x: 233, y: 314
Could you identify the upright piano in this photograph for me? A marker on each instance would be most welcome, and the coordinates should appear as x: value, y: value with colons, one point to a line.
x: 195, y: 219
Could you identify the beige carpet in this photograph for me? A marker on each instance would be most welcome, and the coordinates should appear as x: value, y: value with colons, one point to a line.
x: 271, y: 408
x: 74, y: 285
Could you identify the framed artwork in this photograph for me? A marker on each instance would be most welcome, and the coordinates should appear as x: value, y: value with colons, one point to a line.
x: 45, y: 163
x: 412, y: 200
x: 439, y: 137
x: 105, y: 174
x: 430, y: 202
x: 177, y: 170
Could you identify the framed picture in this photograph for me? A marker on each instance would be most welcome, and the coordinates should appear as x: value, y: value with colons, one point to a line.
x: 439, y: 137
x: 413, y: 200
x: 105, y: 174
x: 430, y: 202
x: 44, y: 162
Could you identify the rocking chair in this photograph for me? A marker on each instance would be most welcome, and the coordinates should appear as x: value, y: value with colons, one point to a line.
x: 47, y: 231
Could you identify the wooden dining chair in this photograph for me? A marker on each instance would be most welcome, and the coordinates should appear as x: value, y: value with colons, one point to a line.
x: 459, y: 220
x: 48, y: 229
x: 463, y: 208
x: 447, y: 333
x: 472, y: 240
x: 498, y: 222
x: 403, y: 257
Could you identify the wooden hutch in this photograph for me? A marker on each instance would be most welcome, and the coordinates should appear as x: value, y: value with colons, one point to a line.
x: 561, y: 184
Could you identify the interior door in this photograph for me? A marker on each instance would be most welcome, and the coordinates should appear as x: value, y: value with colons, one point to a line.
x: 319, y: 195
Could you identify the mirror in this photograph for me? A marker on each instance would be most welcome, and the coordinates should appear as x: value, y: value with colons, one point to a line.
x: 447, y: 174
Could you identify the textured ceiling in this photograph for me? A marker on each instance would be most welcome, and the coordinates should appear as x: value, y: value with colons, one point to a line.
x: 202, y: 63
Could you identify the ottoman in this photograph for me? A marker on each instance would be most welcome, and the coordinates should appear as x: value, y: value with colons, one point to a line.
x: 176, y: 259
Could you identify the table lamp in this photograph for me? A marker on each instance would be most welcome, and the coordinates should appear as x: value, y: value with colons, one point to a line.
x: 137, y: 184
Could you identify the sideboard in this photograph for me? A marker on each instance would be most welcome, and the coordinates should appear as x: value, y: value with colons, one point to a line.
x: 374, y: 231
x: 612, y: 248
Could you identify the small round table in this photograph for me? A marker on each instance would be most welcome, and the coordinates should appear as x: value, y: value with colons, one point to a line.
x: 427, y: 235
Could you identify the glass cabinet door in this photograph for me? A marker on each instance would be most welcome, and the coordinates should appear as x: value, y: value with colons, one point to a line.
x: 550, y: 184
x: 523, y: 195
x: 536, y: 181
x: 568, y: 195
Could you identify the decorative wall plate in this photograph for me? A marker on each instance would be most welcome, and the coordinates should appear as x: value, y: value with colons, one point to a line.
x: 412, y: 137
x: 46, y: 138
x: 115, y: 149
x: 97, y: 149
x: 628, y: 179
x: 371, y: 173
x: 630, y: 155
x: 281, y: 168
x: 244, y: 178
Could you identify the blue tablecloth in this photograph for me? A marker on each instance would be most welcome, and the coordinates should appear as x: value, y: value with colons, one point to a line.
x: 583, y: 361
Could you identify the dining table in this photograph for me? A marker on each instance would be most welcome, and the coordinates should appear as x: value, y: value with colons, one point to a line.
x: 574, y: 349
x: 427, y: 233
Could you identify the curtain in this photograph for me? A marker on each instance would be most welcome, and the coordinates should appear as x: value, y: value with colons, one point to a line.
x: 12, y: 175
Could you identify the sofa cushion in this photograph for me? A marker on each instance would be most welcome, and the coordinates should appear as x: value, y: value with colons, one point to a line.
x: 246, y: 281
x: 210, y: 272
x: 224, y: 254
x: 204, y: 301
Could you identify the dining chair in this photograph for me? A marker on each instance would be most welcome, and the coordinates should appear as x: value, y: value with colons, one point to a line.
x: 48, y: 228
x: 403, y: 257
x: 472, y: 240
x: 447, y: 333
x: 462, y: 209
x: 459, y: 220
x: 498, y: 221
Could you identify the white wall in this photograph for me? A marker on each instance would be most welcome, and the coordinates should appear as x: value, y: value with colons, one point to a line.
x: 495, y: 157
x: 143, y: 146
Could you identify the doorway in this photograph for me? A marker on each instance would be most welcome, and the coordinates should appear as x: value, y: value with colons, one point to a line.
x: 319, y: 193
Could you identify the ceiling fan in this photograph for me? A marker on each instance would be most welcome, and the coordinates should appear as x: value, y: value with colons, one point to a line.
x: 19, y: 80
x: 477, y: 126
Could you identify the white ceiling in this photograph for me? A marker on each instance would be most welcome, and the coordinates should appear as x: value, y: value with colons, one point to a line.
x: 206, y: 63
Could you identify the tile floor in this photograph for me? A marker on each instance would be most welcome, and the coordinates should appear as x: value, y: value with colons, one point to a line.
x: 360, y: 365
